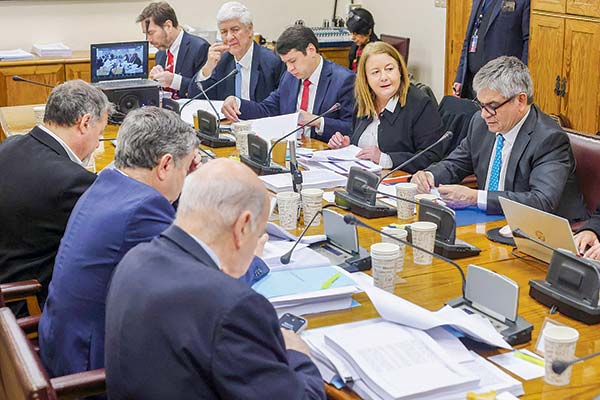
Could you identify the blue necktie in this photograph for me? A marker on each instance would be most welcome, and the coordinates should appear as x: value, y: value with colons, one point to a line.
x: 497, y: 165
x: 238, y: 81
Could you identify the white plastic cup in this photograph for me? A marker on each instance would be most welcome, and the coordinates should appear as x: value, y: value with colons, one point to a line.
x: 241, y: 130
x: 423, y: 235
x: 398, y: 233
x: 288, y: 204
x: 406, y: 190
x: 559, y: 345
x: 39, y: 112
x: 312, y: 203
x: 383, y: 263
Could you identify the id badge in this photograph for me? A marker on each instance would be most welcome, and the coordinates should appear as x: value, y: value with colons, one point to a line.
x: 509, y: 5
x: 473, y: 44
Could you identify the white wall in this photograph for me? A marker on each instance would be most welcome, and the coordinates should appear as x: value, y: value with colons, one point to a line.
x: 426, y: 27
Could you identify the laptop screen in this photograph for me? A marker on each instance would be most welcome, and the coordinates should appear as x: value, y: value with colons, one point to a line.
x: 113, y: 61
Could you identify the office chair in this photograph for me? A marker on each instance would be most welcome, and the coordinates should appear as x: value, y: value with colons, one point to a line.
x: 402, y: 44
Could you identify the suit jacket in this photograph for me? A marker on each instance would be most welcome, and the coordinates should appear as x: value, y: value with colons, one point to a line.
x: 39, y: 187
x: 192, y: 56
x: 593, y: 224
x: 540, y: 171
x: 336, y: 85
x: 507, y: 34
x: 179, y: 328
x: 407, y: 130
x: 113, y: 216
x: 266, y: 70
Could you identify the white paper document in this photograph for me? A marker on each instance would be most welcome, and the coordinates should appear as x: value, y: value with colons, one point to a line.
x: 524, y: 369
x: 314, y: 179
x: 187, y: 114
x: 347, y: 153
x: 270, y: 128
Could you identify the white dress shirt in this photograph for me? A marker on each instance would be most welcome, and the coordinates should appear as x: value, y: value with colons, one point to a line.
x: 312, y: 93
x: 174, y: 49
x: 246, y: 66
x: 370, y: 135
x: 509, y: 141
x: 65, y: 146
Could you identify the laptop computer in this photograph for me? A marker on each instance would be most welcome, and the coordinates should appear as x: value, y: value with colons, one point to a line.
x: 120, y: 65
x: 548, y: 228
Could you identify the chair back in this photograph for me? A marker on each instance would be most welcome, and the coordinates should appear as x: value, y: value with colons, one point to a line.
x: 586, y: 150
x: 456, y: 115
x: 402, y: 44
x: 21, y: 374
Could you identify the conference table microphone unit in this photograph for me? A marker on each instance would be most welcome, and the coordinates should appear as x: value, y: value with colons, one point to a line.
x: 571, y: 285
x: 259, y: 153
x: 340, y: 246
x: 295, y: 171
x: 365, y: 204
x: 484, y: 292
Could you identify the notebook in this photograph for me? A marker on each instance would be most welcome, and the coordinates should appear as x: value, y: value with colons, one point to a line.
x: 120, y: 65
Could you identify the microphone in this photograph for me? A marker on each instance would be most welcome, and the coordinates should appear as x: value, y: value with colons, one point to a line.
x: 558, y: 367
x: 445, y: 136
x: 520, y: 234
x: 333, y: 108
x: 202, y: 92
x: 350, y: 219
x: 296, y: 173
x: 18, y: 78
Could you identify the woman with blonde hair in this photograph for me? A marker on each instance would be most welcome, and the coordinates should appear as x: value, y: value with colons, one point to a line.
x: 394, y: 119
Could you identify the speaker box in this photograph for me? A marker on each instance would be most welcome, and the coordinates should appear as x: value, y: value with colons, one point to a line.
x: 127, y: 99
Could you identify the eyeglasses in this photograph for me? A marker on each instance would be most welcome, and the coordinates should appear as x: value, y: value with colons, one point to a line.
x: 489, y: 108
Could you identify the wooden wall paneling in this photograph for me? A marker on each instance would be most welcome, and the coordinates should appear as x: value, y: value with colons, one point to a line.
x: 20, y: 93
x: 590, y: 8
x: 78, y: 71
x: 457, y: 18
x: 559, y: 6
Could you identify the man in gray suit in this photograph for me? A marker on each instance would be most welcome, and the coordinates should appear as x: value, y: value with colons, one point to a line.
x: 512, y: 147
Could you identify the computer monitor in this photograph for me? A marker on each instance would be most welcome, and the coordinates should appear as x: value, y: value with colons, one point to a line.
x: 115, y: 61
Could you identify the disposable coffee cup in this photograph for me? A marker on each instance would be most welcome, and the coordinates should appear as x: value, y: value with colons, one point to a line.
x: 288, y: 204
x: 426, y: 196
x: 383, y: 263
x: 312, y: 203
x: 406, y: 190
x: 39, y: 112
x: 559, y: 345
x: 423, y: 235
x: 401, y: 234
x: 241, y: 142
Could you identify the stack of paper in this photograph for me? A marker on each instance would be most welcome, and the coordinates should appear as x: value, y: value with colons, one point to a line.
x: 307, y: 290
x: 271, y: 128
x: 16, y: 54
x: 314, y: 179
x: 302, y: 256
x: 339, y: 161
x: 52, y: 50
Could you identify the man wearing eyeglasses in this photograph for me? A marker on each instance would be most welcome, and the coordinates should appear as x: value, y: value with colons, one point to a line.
x: 512, y: 147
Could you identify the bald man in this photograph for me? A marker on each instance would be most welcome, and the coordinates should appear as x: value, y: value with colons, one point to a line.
x: 178, y: 323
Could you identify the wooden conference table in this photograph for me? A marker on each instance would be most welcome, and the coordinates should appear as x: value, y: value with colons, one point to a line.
x: 431, y: 286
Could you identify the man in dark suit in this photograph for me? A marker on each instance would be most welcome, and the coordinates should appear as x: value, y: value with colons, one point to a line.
x: 42, y: 174
x: 311, y: 85
x: 180, y: 54
x: 496, y: 28
x: 513, y: 148
x: 178, y: 323
x: 259, y: 68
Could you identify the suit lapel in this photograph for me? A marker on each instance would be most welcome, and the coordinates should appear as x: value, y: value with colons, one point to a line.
x: 255, y: 70
x: 188, y: 244
x: 182, y: 54
x: 48, y: 141
x: 495, y: 12
x: 322, y: 87
x: 521, y: 142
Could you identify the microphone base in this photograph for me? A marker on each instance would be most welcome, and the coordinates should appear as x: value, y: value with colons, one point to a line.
x: 544, y: 293
x: 261, y: 169
x: 214, y: 142
x: 517, y: 332
x: 343, y: 199
x: 457, y: 250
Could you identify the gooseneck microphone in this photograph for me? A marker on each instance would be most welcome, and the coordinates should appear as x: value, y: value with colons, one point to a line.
x: 352, y: 220
x: 333, y: 108
x: 203, y: 92
x: 18, y: 78
x: 445, y: 136
x: 558, y: 367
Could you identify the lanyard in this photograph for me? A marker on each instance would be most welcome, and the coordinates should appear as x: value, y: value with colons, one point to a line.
x: 486, y: 5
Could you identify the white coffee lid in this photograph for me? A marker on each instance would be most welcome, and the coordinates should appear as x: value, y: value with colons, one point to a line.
x: 423, y: 226
x: 385, y: 249
x: 561, y: 334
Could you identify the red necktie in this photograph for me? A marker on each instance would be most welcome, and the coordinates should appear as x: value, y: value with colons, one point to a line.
x: 170, y: 68
x: 304, y: 101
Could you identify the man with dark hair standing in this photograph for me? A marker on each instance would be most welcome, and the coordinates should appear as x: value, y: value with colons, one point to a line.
x: 311, y: 85
x: 42, y: 174
x: 180, y: 54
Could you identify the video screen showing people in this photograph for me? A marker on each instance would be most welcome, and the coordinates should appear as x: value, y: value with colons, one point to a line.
x: 122, y: 62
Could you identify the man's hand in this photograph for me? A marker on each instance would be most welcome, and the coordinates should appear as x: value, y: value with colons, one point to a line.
x: 294, y: 342
x: 230, y: 109
x: 164, y: 78
x: 370, y: 153
x: 456, y: 88
x: 260, y: 245
x: 458, y: 196
x: 585, y: 239
x: 338, y: 141
x: 304, y: 117
x: 214, y: 55
x: 424, y: 180
x: 593, y: 252
x: 156, y: 70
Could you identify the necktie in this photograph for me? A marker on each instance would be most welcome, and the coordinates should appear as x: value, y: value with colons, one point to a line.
x: 304, y: 101
x: 238, y: 81
x: 496, y: 166
x: 170, y: 67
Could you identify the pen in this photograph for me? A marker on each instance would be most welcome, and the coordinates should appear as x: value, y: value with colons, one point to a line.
x: 527, y: 357
x: 330, y: 281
